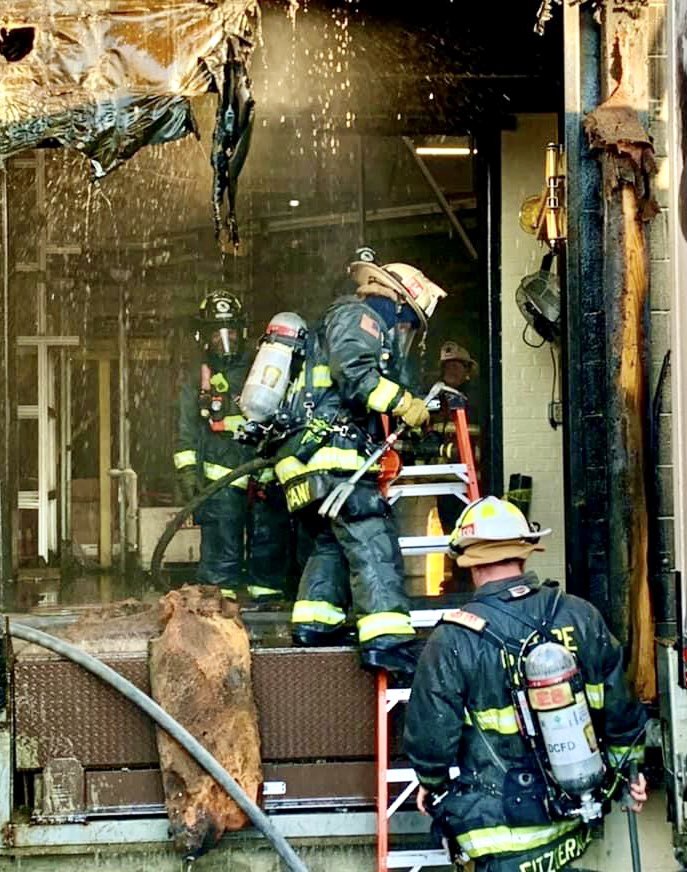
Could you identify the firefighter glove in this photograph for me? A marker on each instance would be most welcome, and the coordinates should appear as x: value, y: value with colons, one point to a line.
x: 187, y: 479
x: 412, y: 410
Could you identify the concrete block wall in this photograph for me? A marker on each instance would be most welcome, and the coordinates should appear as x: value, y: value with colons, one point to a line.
x: 530, y: 445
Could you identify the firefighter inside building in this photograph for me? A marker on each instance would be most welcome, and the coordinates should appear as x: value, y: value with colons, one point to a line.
x: 523, y: 690
x: 347, y: 384
x: 245, y: 527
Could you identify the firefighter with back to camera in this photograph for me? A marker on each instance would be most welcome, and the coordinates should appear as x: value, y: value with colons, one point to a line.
x: 348, y: 382
x: 523, y: 691
x: 247, y: 514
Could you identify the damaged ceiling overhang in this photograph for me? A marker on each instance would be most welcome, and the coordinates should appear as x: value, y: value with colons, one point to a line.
x: 107, y: 78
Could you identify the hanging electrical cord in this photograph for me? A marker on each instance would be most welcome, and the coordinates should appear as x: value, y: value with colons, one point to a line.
x: 199, y: 753
x: 554, y: 389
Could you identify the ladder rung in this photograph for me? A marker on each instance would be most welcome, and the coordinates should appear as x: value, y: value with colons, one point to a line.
x: 394, y: 776
x: 428, y: 489
x: 416, y: 859
x: 418, y: 545
x: 434, y: 470
x: 427, y: 617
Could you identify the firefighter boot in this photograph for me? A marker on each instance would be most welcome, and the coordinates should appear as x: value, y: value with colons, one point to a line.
x: 396, y: 656
x: 315, y: 636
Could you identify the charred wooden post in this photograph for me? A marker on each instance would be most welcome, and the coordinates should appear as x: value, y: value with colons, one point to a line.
x: 618, y: 137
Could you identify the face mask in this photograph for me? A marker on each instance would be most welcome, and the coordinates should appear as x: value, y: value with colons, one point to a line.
x: 223, y: 342
x: 402, y: 338
x: 404, y: 333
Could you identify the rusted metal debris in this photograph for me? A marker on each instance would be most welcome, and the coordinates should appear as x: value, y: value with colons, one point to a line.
x: 108, y: 80
x: 200, y: 672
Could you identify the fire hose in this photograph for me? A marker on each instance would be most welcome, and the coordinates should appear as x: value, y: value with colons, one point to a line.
x: 178, y: 520
x: 199, y: 753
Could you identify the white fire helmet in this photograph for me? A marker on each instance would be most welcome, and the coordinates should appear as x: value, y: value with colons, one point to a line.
x: 490, y: 519
x: 410, y: 284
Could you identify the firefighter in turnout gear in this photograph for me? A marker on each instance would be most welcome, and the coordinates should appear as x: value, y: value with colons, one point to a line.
x: 347, y: 383
x: 248, y: 513
x: 504, y: 810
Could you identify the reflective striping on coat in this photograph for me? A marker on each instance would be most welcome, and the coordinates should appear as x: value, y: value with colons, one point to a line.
x: 186, y: 458
x: 616, y: 754
x: 323, y: 460
x: 321, y: 378
x: 504, y: 840
x: 383, y: 395
x: 595, y: 695
x: 500, y: 720
x: 382, y: 624
x: 317, y: 612
x: 214, y: 471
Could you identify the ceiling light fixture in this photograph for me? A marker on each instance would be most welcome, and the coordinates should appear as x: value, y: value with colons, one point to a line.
x: 445, y: 151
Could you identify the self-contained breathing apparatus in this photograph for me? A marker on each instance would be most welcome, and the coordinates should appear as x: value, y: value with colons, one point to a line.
x: 278, y: 363
x: 571, y: 777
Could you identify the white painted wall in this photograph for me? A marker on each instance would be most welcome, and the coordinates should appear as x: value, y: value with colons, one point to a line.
x: 530, y: 445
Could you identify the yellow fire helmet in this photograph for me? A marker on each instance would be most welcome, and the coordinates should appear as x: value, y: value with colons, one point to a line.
x: 409, y: 283
x: 490, y: 519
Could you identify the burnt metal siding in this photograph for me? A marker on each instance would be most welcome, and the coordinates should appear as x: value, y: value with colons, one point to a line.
x: 585, y: 387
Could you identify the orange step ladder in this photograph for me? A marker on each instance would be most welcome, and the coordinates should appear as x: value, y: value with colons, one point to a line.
x: 459, y: 479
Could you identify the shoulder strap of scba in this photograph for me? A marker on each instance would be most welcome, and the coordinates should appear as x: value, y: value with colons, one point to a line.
x: 478, y: 624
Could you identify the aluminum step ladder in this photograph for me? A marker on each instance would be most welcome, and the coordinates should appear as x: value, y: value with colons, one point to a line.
x: 459, y: 479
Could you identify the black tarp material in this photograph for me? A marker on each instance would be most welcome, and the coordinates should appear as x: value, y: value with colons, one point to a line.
x: 108, y: 78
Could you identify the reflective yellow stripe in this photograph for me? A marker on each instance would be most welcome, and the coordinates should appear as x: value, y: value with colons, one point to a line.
x: 317, y: 611
x: 595, y: 695
x: 214, y: 471
x: 266, y: 475
x: 323, y: 460
x: 381, y: 397
x: 500, y: 720
x: 227, y: 593
x: 256, y: 590
x: 384, y: 623
x: 321, y: 378
x: 616, y: 753
x: 233, y: 422
x: 185, y: 458
x: 503, y: 840
x: 219, y: 383
x: 289, y: 468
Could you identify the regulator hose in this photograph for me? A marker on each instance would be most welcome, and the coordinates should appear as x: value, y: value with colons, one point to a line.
x: 178, y: 520
x: 200, y: 754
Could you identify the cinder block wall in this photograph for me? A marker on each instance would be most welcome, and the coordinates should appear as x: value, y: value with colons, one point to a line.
x: 530, y: 445
x: 661, y: 290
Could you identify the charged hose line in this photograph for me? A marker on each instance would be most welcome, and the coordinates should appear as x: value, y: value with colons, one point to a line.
x: 178, y: 520
x: 200, y: 754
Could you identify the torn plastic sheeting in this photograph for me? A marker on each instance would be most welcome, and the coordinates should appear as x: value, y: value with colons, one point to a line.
x: 109, y: 80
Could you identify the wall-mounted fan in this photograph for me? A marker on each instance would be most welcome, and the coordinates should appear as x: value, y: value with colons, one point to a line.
x: 539, y: 299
